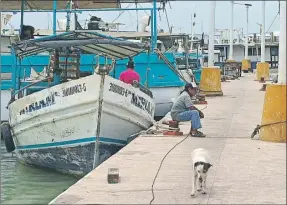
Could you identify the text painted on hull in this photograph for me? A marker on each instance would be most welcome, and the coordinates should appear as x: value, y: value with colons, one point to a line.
x: 47, y: 102
x: 74, y: 89
x: 136, y: 100
x: 50, y: 100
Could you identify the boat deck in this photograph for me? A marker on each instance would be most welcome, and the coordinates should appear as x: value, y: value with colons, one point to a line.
x: 244, y: 171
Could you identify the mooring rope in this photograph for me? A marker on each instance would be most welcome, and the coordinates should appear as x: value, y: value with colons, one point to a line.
x: 258, y: 127
x: 152, y: 187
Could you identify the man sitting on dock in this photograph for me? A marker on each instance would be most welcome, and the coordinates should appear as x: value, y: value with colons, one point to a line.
x: 130, y: 74
x: 184, y: 110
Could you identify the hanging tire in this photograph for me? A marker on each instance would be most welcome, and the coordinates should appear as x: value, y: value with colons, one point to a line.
x: 7, y: 137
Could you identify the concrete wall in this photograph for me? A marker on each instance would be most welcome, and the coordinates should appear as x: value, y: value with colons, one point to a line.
x: 238, y: 54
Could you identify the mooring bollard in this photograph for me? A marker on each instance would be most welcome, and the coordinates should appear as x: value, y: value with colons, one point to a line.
x: 263, y: 87
x: 113, y: 176
x: 262, y: 80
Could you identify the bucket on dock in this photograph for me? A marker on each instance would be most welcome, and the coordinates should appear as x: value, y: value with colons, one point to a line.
x: 113, y: 176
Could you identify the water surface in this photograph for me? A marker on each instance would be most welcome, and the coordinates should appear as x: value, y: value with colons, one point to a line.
x: 22, y: 184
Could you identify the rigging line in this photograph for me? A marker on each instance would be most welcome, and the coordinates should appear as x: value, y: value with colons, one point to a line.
x: 131, y: 19
x: 133, y: 23
x: 144, y: 10
x: 168, y: 25
x: 272, y: 22
x: 121, y: 12
x: 149, y: 15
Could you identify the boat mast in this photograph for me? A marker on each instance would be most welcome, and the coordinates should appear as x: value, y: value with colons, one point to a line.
x: 154, y: 30
x: 137, y: 16
x: 54, y: 17
x: 22, y: 15
x: 69, y: 8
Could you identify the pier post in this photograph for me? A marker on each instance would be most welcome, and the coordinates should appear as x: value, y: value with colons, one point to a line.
x: 246, y: 39
x: 230, y: 58
x: 211, y: 35
x: 246, y: 64
x: 210, y: 82
x: 262, y: 68
x: 274, y: 109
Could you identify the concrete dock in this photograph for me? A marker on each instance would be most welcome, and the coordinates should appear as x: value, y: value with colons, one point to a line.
x: 245, y: 170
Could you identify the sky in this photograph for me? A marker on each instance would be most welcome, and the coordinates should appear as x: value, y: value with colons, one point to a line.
x: 179, y: 16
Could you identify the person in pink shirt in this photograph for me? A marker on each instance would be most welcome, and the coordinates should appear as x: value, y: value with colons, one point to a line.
x: 129, y: 75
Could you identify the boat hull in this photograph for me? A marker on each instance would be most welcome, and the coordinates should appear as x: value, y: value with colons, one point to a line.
x: 73, y: 160
x: 163, y: 99
x: 5, y: 97
x: 62, y: 135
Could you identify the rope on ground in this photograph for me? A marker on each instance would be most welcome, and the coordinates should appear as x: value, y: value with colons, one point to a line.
x: 258, y: 127
x: 203, y: 108
x: 153, y: 197
x: 156, y: 124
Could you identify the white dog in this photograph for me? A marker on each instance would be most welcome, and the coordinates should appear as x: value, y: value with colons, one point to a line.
x: 200, y: 166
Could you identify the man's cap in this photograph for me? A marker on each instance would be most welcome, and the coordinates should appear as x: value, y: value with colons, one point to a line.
x: 188, y: 85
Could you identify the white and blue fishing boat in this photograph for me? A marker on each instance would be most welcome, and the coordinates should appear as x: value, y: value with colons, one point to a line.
x: 68, y: 119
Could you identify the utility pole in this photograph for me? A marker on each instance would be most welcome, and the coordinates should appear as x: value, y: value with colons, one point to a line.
x: 282, y: 45
x: 246, y: 40
x: 263, y: 33
x: 231, y: 33
x: 262, y: 68
x: 192, y: 32
x: 211, y: 35
x: 210, y: 82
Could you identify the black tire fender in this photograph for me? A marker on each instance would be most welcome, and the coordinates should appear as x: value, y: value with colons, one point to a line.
x: 7, y: 137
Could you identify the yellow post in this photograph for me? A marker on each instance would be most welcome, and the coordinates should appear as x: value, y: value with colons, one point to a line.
x: 246, y: 65
x: 210, y: 82
x: 262, y: 71
x: 274, y: 110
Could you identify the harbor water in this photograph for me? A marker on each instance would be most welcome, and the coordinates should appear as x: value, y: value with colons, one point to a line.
x: 22, y: 184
